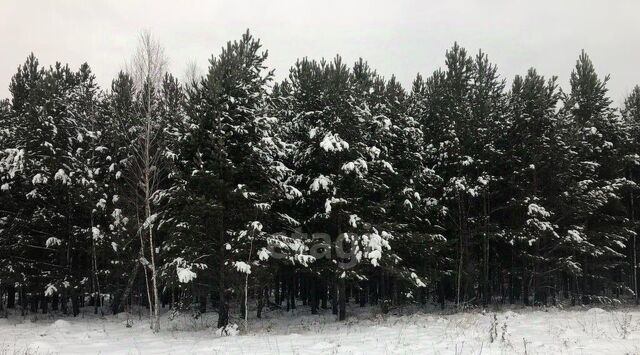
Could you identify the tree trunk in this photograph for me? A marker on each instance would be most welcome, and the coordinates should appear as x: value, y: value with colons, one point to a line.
x: 54, y: 302
x: 44, y: 304
x: 75, y: 305
x: 635, y: 270
x: 223, y: 307
x: 120, y: 304
x: 334, y: 297
x: 486, y: 297
x: 154, y: 277
x: 23, y: 301
x: 263, y: 297
x: 243, y: 304
x: 342, y: 298
x: 64, y: 303
x: 441, y: 293
x: 314, y: 293
x: 525, y: 284
x: 276, y: 289
x: 33, y: 303
x: 634, y: 250
x: 384, y: 303
x: 292, y: 290
x: 461, y: 252
x: 323, y: 293
x: 11, y: 296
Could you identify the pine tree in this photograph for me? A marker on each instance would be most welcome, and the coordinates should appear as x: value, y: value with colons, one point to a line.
x: 119, y: 127
x: 533, y: 151
x: 488, y: 108
x: 332, y: 184
x: 46, y: 174
x: 229, y: 157
x: 630, y: 147
x: 593, y: 215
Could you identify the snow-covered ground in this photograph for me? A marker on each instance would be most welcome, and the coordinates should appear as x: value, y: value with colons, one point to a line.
x: 551, y: 331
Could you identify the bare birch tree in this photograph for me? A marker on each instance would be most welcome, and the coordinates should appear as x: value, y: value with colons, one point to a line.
x: 192, y: 72
x: 147, y: 67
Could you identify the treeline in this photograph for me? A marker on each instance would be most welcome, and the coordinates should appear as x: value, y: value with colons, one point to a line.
x: 335, y: 185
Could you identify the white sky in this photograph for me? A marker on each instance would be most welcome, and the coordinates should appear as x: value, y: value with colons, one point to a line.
x: 401, y: 37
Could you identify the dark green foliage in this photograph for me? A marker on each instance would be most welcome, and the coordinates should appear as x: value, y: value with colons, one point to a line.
x: 460, y: 191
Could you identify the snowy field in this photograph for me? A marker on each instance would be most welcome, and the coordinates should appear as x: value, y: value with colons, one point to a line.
x: 515, y: 331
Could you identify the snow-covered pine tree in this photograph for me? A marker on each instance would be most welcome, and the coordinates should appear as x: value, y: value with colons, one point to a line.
x: 592, y: 212
x: 534, y: 155
x: 631, y: 147
x: 43, y: 172
x: 456, y: 189
x: 422, y: 243
x: 488, y: 108
x: 449, y: 137
x: 230, y: 161
x: 340, y: 130
x: 127, y: 249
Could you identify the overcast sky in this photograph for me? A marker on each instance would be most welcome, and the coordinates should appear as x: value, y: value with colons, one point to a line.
x: 395, y: 36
